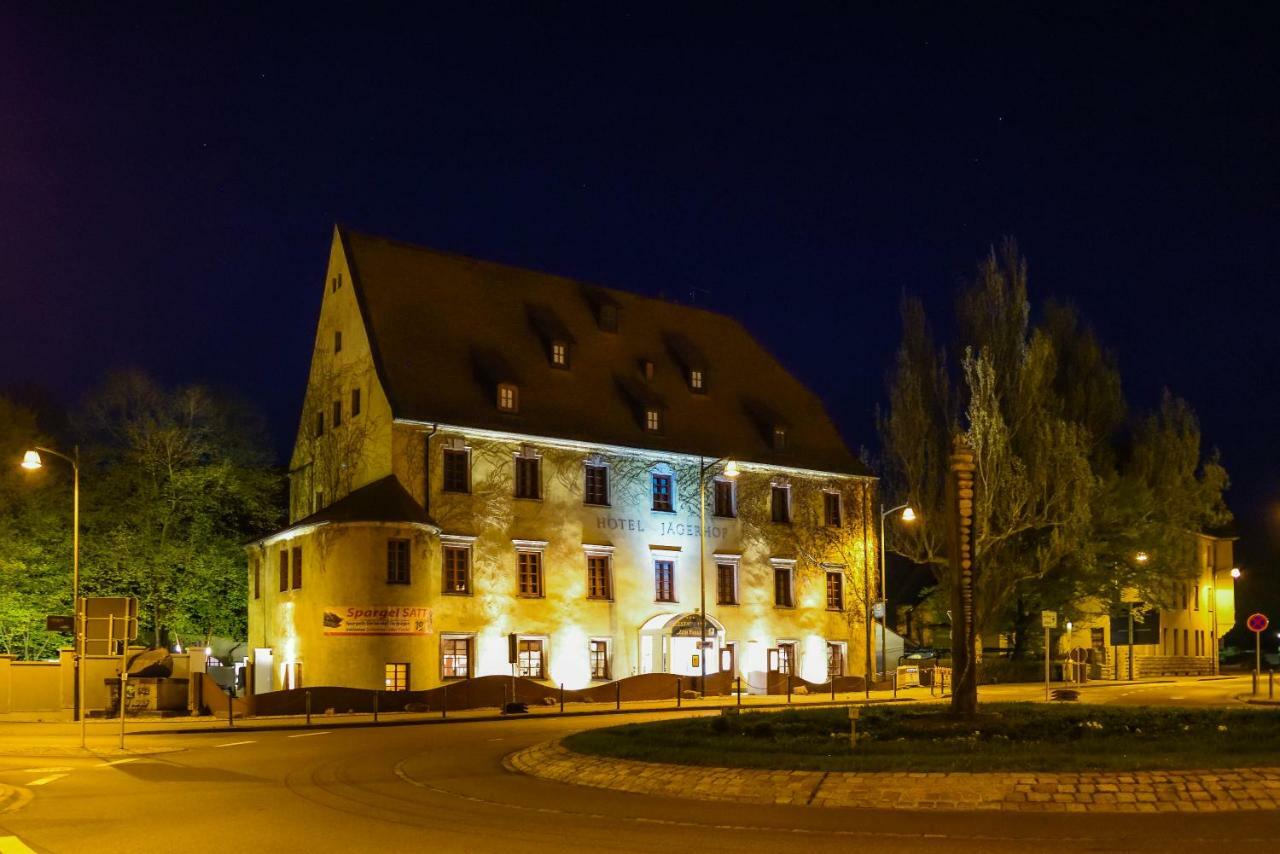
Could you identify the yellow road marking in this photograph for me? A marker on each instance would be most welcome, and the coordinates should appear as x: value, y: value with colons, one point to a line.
x: 13, y: 845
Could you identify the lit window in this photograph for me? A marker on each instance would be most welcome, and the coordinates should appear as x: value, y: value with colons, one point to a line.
x: 529, y: 658
x: 597, y: 485
x: 398, y: 562
x: 560, y: 354
x: 726, y: 584
x: 397, y: 676
x: 695, y: 379
x: 782, y: 597
x: 455, y: 657
x: 337, y: 341
x: 529, y: 569
x: 457, y: 471
x: 508, y: 398
x: 457, y: 570
x: 664, y: 577
x: 831, y: 508
x: 599, y: 577
x: 653, y: 420
x: 781, y: 504
x: 835, y: 591
x: 599, y: 659
x: 835, y: 660
x: 663, y: 500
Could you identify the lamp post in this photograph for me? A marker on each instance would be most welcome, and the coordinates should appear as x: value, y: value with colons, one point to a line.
x: 1140, y: 557
x: 31, y: 461
x: 1217, y: 638
x: 908, y: 515
x: 731, y: 472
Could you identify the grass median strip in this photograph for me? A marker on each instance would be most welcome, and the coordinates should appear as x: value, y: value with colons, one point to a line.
x: 1003, y: 737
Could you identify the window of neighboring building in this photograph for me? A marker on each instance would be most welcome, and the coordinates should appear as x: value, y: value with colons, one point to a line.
x: 508, y: 397
x: 257, y: 579
x: 696, y: 380
x: 599, y: 577
x: 528, y: 477
x: 1195, y: 598
x: 297, y: 567
x: 831, y: 509
x: 662, y: 488
x: 726, y: 499
x: 529, y: 658
x: 397, y: 676
x: 726, y: 583
x: 599, y: 652
x: 284, y: 569
x: 320, y: 423
x: 337, y: 414
x: 835, y: 590
x: 653, y: 420
x: 597, y: 485
x: 455, y: 657
x: 782, y: 593
x: 781, y: 504
x: 664, y: 579
x: 398, y: 561
x: 457, y: 470
x: 529, y: 570
x: 787, y: 657
x: 560, y: 354
x: 337, y: 341
x: 457, y: 570
x: 355, y: 402
x: 835, y: 660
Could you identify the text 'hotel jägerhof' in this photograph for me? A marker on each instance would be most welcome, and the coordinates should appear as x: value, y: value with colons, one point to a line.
x: 486, y: 451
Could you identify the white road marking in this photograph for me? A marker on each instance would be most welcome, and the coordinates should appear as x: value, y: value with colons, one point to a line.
x: 52, y: 770
x: 116, y: 762
x: 493, y: 739
x: 13, y: 845
x: 306, y: 734
x: 43, y: 780
x: 1178, y: 698
x: 233, y: 743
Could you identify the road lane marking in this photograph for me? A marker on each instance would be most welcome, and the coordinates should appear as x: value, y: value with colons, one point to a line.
x: 13, y: 845
x: 51, y: 770
x: 45, y: 780
x: 116, y: 762
x: 307, y: 734
x: 493, y: 739
x: 233, y: 743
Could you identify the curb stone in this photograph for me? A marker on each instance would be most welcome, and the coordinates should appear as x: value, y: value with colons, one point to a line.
x: 1014, y: 791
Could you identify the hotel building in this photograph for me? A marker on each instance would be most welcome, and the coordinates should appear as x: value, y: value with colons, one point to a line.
x: 493, y: 463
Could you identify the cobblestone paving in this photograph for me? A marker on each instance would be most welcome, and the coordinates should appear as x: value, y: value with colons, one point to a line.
x: 1139, y: 791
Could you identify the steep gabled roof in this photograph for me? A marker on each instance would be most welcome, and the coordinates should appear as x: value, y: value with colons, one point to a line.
x: 384, y: 500
x: 446, y: 329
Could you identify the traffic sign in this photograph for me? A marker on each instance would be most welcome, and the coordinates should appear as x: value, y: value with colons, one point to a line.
x: 1257, y: 623
x: 1049, y: 619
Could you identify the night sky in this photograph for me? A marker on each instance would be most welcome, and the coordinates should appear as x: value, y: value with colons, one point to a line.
x: 169, y: 181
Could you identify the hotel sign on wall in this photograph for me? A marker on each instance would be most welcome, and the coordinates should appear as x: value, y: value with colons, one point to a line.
x: 661, y: 527
x: 365, y: 620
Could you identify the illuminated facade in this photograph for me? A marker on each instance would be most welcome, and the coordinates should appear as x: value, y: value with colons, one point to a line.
x: 486, y: 452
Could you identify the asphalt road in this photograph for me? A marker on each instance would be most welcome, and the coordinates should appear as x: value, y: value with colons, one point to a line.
x: 443, y: 789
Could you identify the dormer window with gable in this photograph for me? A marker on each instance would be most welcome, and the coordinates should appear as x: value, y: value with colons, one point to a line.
x: 560, y: 354
x: 508, y: 397
x: 653, y: 420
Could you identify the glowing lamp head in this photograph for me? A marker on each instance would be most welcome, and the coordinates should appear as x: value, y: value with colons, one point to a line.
x: 908, y: 515
x: 1068, y: 625
x: 1235, y: 572
x: 1141, y: 557
x: 31, y: 460
x: 731, y: 469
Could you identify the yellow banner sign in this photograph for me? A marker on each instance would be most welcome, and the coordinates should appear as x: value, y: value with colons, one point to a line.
x: 357, y: 620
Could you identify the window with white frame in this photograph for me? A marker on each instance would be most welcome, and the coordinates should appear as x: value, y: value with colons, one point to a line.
x: 783, y: 583
x: 531, y: 658
x: 599, y: 575
x: 835, y: 590
x: 455, y: 656
x: 653, y: 420
x: 529, y: 579
x: 598, y: 650
x: 780, y: 503
x: 528, y: 474
x: 664, y: 493
x: 835, y: 659
x: 456, y: 564
x: 664, y: 580
x: 726, y: 580
x: 831, y: 509
x: 596, y: 484
x: 725, y: 495
x: 786, y: 656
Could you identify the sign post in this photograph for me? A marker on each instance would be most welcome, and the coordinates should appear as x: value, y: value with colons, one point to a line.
x: 1048, y: 619
x: 1257, y: 624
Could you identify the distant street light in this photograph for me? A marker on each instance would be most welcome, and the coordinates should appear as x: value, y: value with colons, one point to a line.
x: 730, y: 471
x: 908, y: 515
x: 31, y: 461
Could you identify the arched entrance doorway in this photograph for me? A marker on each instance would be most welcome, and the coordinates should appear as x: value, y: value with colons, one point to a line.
x: 669, y: 644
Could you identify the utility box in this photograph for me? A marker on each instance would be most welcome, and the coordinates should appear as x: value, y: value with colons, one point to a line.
x: 908, y: 676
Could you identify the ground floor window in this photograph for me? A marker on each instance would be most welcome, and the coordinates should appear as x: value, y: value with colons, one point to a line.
x: 455, y: 657
x: 293, y: 675
x: 835, y: 659
x: 599, y: 659
x: 787, y: 657
x: 529, y: 659
x: 397, y: 676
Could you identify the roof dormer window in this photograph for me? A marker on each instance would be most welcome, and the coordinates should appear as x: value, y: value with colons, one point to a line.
x: 559, y: 354
x: 607, y: 315
x: 653, y: 420
x: 697, y: 381
x: 508, y: 397
x: 779, y: 438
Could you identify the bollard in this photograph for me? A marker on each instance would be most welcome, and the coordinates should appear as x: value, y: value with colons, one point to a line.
x: 739, y: 692
x: 617, y: 701
x: 231, y: 712
x: 375, y: 707
x: 895, y: 684
x: 562, y: 698
x: 677, y: 692
x: 1271, y: 685
x: 308, y: 708
x: 1255, y: 683
x: 788, y: 686
x: 854, y: 711
x: 833, y: 687
x: 444, y: 700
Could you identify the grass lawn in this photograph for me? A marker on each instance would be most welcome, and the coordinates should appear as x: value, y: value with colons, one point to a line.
x: 1004, y: 737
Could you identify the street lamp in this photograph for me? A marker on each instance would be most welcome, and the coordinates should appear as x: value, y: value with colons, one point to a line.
x: 1217, y: 638
x: 31, y: 461
x: 908, y: 515
x: 731, y: 472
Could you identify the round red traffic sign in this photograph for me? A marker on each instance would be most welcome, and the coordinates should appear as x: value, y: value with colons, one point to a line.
x: 1257, y: 623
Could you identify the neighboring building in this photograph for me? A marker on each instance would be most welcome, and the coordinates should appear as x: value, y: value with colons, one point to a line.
x: 486, y: 452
